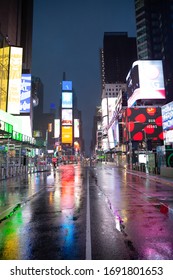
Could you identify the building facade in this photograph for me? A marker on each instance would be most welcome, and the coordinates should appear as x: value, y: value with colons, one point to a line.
x: 117, y: 55
x: 154, y: 25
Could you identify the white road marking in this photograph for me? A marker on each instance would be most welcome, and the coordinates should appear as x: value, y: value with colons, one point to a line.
x: 88, y: 223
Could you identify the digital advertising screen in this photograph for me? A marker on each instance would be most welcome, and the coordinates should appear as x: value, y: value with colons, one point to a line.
x: 25, y: 93
x: 66, y: 134
x: 67, y: 117
x: 67, y: 99
x: 4, y: 66
x: 111, y: 138
x: 56, y: 128
x: 115, y: 131
x: 142, y: 123
x: 145, y: 81
x: 14, y: 84
x: 76, y: 128
x: 66, y: 85
x: 167, y: 116
x: 104, y: 105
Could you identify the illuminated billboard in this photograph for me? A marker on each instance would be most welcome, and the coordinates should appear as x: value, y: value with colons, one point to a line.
x: 76, y: 128
x: 14, y: 84
x: 142, y: 122
x: 4, y: 66
x: 66, y: 85
x: 167, y: 116
x: 15, y: 121
x: 108, y: 109
x: 25, y: 93
x: 113, y: 134
x: 66, y: 117
x: 167, y: 119
x: 56, y: 128
x: 66, y: 134
x: 104, y: 107
x: 145, y: 81
x: 67, y: 101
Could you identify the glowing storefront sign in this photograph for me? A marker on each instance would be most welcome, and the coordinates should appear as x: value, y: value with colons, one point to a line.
x: 14, y: 84
x: 16, y: 122
x: 25, y: 94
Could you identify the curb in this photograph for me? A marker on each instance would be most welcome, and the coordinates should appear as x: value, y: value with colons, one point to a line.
x: 6, y: 214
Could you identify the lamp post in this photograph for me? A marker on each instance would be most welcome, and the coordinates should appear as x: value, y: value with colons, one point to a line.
x: 146, y: 151
x: 130, y: 149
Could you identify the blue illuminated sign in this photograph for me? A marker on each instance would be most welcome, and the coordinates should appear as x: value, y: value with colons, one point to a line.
x: 25, y: 93
x: 66, y: 85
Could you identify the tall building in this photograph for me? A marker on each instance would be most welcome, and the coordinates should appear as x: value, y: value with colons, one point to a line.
x: 68, y: 126
x: 117, y: 55
x: 16, y: 23
x: 43, y: 123
x: 154, y: 25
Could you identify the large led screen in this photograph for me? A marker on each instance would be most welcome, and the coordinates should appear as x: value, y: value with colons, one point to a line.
x: 76, y: 128
x: 67, y: 101
x: 25, y: 93
x: 167, y: 116
x: 56, y: 128
x: 142, y: 123
x: 66, y: 85
x: 14, y: 84
x: 66, y: 134
x: 145, y: 81
x: 67, y: 117
x: 4, y: 66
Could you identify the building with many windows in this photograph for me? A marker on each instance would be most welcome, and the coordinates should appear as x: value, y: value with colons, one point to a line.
x: 154, y: 25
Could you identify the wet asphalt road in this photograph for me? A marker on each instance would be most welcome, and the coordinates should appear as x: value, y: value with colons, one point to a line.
x: 101, y: 213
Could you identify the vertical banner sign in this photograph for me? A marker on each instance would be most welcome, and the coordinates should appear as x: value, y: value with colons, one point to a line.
x: 14, y: 84
x: 56, y: 128
x: 76, y: 128
x: 25, y: 93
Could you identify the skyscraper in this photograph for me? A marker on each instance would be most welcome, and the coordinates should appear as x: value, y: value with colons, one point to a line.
x: 16, y: 21
x: 117, y: 56
x: 154, y: 25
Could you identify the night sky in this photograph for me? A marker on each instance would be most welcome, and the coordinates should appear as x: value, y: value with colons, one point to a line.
x: 67, y: 36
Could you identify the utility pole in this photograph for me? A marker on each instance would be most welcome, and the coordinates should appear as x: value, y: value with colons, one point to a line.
x: 130, y: 147
x: 146, y: 151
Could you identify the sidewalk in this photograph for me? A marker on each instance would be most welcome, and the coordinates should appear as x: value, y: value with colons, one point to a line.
x: 156, y: 178
x: 165, y: 206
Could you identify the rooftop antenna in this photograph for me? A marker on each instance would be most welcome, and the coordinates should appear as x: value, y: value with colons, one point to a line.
x: 64, y: 76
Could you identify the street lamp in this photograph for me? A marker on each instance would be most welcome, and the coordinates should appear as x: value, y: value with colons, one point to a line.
x: 146, y: 151
x: 130, y: 148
